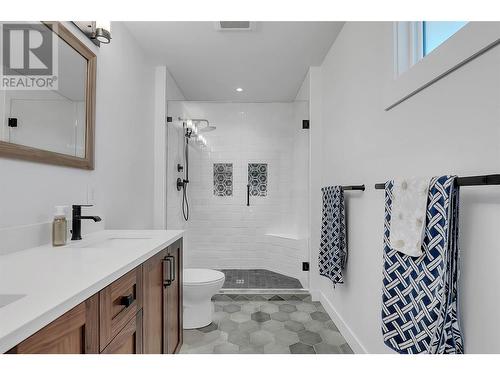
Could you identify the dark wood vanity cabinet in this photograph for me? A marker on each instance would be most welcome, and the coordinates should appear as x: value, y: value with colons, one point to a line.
x: 76, y: 332
x: 153, y: 321
x: 141, y: 312
x: 173, y: 299
x: 163, y: 301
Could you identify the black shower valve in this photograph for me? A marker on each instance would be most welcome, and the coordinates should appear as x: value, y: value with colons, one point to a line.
x: 181, y: 183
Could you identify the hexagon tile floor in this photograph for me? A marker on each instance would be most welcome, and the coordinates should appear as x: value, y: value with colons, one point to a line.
x: 266, y: 324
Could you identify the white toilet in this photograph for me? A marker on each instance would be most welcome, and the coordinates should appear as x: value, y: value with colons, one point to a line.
x: 199, y: 286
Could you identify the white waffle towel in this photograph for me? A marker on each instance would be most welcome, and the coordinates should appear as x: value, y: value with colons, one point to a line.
x: 409, y: 207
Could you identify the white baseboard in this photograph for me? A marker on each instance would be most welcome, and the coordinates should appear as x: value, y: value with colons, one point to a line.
x: 353, y: 341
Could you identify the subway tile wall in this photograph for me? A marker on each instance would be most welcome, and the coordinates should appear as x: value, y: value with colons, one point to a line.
x: 222, y: 231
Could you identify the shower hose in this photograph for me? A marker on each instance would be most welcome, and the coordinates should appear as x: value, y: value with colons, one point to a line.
x: 185, y: 203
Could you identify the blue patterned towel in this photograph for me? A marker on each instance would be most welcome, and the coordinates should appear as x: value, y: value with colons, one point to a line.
x: 333, y: 245
x: 419, y: 302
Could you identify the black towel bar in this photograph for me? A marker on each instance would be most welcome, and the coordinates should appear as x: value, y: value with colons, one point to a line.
x: 492, y: 179
x: 354, y: 187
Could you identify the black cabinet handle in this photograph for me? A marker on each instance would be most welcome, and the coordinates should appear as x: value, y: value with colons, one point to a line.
x: 172, y: 265
x: 167, y: 272
x: 127, y: 300
x: 248, y: 195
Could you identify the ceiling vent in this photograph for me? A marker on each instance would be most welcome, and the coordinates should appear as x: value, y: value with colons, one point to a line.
x: 235, y: 25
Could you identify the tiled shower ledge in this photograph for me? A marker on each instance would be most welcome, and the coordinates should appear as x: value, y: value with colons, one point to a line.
x: 258, y: 279
x: 263, y: 291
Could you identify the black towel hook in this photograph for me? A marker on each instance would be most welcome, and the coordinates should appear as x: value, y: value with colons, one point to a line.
x: 354, y: 187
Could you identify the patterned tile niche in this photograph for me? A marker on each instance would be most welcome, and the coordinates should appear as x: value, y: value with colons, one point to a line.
x: 257, y: 179
x: 223, y: 179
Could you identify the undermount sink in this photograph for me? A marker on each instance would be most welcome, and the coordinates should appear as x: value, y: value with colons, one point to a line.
x: 7, y: 299
x: 117, y: 242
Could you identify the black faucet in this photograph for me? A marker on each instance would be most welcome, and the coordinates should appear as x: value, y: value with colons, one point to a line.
x: 76, y: 231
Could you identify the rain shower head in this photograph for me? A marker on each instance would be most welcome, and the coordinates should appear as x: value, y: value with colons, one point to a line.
x: 201, y: 125
x: 206, y: 128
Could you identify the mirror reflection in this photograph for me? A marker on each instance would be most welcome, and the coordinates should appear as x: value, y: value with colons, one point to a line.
x: 49, y: 119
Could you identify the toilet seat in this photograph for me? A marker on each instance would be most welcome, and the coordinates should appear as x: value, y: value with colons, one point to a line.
x: 201, y: 276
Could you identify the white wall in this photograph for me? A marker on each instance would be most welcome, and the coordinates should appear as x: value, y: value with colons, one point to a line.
x: 450, y: 127
x: 122, y: 181
x: 222, y: 231
x: 160, y: 148
x: 304, y: 90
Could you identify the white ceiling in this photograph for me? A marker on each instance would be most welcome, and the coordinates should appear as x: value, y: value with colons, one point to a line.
x: 269, y: 63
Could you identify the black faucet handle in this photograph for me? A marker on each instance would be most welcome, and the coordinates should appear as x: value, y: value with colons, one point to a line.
x: 77, y: 208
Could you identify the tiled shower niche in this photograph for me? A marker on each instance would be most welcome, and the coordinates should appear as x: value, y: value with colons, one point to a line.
x: 257, y: 179
x: 223, y: 179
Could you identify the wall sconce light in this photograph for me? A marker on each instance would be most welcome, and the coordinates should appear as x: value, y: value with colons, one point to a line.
x: 97, y: 31
x: 103, y: 31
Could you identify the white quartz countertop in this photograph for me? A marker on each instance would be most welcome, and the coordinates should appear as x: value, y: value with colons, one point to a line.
x: 53, y: 280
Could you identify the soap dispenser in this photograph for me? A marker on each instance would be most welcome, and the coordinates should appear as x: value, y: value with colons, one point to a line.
x: 59, y: 227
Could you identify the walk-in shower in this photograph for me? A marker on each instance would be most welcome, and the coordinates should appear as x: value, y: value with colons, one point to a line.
x: 248, y: 191
x: 191, y: 129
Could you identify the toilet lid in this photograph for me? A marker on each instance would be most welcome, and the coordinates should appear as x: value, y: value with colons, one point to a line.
x: 201, y: 276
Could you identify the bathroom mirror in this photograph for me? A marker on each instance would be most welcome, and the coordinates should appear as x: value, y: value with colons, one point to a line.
x: 47, y: 95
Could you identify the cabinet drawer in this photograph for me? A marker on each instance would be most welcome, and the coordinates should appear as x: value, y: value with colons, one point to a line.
x: 118, y: 303
x: 129, y: 339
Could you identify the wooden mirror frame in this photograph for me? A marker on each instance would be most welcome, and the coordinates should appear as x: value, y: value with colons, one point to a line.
x: 14, y: 151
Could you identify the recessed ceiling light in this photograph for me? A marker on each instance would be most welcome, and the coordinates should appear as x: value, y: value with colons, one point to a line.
x: 239, y: 89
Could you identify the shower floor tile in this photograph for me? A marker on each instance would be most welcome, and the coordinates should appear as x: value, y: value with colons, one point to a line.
x: 266, y: 324
x: 258, y: 279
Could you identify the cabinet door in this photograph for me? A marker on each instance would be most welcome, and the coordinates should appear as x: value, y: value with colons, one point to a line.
x: 173, y: 299
x: 75, y: 332
x: 118, y: 303
x: 129, y: 339
x: 154, y: 317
